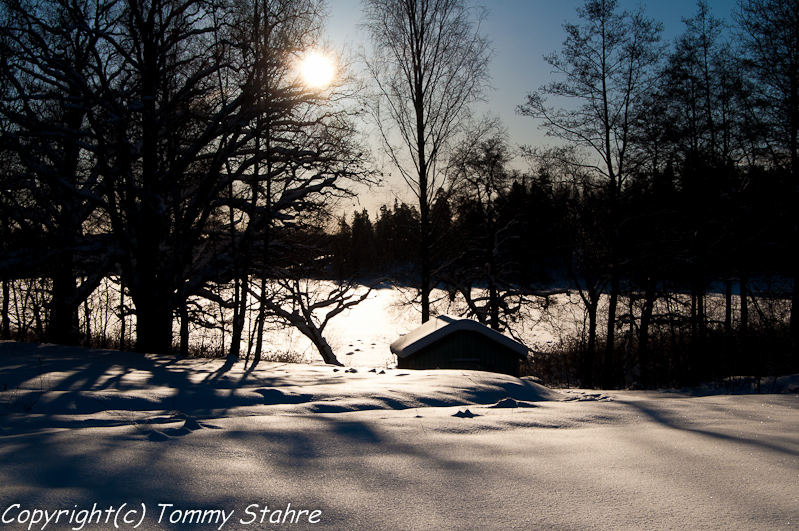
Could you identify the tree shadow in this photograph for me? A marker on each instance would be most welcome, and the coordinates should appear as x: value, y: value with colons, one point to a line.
x: 672, y: 421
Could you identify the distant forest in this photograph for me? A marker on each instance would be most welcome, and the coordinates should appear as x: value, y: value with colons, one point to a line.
x: 165, y: 172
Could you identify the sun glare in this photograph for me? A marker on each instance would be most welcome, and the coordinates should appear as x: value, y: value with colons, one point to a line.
x: 317, y: 70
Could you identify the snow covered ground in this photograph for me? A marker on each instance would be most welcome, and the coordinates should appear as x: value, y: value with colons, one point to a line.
x: 152, y: 442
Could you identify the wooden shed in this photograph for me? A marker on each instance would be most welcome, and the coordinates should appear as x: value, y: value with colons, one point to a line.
x: 450, y: 343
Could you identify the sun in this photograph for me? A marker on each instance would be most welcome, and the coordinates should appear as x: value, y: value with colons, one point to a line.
x: 317, y: 70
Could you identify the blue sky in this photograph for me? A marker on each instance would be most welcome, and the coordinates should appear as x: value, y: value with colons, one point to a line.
x: 522, y: 32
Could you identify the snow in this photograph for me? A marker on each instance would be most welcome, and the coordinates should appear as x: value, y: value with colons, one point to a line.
x: 380, y: 319
x: 444, y: 325
x: 376, y: 448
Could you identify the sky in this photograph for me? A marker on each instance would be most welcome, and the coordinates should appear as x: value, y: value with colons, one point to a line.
x: 522, y: 33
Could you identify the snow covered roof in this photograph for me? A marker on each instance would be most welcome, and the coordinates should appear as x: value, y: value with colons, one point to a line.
x: 444, y: 325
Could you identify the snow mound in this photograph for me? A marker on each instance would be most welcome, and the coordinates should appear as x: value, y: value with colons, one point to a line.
x: 511, y: 403
x: 106, y: 387
x: 192, y: 424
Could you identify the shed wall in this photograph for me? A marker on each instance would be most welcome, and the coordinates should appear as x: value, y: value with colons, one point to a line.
x: 464, y: 350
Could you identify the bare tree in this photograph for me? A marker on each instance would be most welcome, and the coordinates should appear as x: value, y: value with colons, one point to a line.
x: 481, y: 183
x: 309, y: 305
x: 584, y: 229
x: 47, y: 52
x: 429, y: 63
x: 607, y: 64
x: 702, y: 118
x: 482, y: 268
x: 300, y: 148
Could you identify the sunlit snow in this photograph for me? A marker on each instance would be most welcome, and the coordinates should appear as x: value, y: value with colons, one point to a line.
x: 376, y: 448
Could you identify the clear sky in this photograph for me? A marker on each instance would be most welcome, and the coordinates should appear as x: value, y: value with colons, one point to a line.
x: 522, y: 32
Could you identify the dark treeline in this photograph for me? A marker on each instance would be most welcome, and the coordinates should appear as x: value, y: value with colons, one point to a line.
x: 363, y: 248
x: 704, y: 269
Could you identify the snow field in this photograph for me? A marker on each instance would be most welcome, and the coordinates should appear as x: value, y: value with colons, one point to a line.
x: 383, y: 450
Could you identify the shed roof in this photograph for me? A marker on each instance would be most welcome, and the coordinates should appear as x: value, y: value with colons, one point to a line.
x: 444, y: 325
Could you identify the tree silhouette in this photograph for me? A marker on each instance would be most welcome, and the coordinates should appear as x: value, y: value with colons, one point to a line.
x: 607, y: 65
x: 429, y: 64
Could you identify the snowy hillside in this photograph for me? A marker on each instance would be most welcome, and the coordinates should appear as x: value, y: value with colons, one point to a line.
x: 205, y: 444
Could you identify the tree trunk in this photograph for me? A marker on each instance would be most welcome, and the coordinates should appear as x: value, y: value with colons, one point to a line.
x: 152, y: 292
x: 694, y: 333
x: 87, y: 317
x: 153, y: 323
x: 493, y: 295
x: 122, y: 315
x: 5, y: 317
x: 425, y: 284
x: 321, y: 344
x: 587, y: 365
x: 728, y: 306
x: 794, y: 326
x: 424, y: 201
x: 241, y: 267
x: 184, y: 327
x: 154, y: 301
x: 493, y: 298
x: 643, y: 337
x: 744, y: 327
x: 794, y: 149
x: 609, y: 365
x: 239, y: 311
x: 63, y: 323
x: 701, y: 313
x: 260, y: 320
